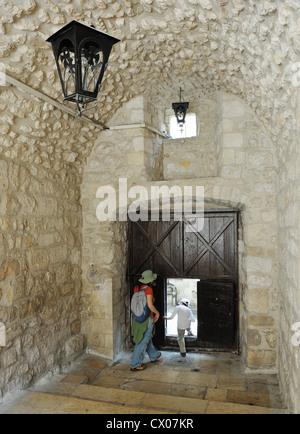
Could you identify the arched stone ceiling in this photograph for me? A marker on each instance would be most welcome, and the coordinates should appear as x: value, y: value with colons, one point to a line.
x: 248, y: 47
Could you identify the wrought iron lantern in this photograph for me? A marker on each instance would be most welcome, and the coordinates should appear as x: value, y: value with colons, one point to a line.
x: 81, y: 53
x: 180, y: 109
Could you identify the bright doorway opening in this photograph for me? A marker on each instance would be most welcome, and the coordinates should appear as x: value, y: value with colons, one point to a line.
x: 177, y: 289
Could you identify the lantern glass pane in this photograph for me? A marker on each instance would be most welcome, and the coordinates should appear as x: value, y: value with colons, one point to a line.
x: 189, y: 129
x: 66, y: 63
x: 180, y: 112
x: 91, y: 66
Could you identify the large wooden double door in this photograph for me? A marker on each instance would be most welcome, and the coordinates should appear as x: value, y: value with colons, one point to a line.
x: 176, y: 249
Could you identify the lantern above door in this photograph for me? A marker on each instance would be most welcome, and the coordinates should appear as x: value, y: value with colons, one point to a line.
x: 81, y: 53
x: 180, y: 110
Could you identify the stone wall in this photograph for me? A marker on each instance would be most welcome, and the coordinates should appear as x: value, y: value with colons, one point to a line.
x: 247, y: 154
x: 133, y: 152
x: 40, y: 237
x: 288, y: 248
x: 40, y: 272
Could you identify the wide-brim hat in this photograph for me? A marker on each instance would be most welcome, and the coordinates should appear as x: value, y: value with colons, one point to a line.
x: 148, y: 276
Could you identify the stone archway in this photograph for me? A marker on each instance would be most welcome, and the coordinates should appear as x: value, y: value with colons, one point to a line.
x: 244, y: 150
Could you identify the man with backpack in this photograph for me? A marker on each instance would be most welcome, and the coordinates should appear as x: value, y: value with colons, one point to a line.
x: 144, y: 316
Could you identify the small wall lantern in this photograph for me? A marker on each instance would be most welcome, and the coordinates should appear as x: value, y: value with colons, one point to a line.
x: 81, y: 53
x: 180, y: 109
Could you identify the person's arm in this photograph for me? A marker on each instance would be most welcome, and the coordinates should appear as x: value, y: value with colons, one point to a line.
x: 172, y: 316
x: 152, y: 307
x: 191, y: 317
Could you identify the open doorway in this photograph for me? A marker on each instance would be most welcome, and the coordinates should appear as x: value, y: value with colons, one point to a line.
x: 177, y: 289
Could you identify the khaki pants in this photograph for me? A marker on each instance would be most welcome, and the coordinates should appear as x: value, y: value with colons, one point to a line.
x: 181, y: 340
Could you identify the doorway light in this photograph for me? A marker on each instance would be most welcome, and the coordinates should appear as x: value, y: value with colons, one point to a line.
x: 189, y: 128
x: 180, y: 110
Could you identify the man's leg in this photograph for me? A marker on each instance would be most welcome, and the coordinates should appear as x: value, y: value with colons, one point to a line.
x: 190, y: 333
x: 181, y: 341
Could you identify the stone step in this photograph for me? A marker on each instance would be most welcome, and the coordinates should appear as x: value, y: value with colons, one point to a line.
x: 189, y: 385
x: 96, y: 387
x: 69, y: 398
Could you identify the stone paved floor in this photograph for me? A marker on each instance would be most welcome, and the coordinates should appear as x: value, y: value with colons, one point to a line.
x: 198, y: 384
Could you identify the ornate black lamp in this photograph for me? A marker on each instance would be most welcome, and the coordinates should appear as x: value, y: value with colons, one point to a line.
x: 81, y: 53
x: 180, y: 109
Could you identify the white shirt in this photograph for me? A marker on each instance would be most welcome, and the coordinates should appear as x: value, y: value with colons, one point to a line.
x: 185, y: 316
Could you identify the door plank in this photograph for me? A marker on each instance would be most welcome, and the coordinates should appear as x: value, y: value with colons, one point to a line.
x: 217, y: 315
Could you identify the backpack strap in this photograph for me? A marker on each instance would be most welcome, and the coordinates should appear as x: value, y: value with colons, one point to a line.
x: 143, y: 289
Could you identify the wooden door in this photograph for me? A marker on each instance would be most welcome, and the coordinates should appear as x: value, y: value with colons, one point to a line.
x: 176, y: 249
x: 217, y: 302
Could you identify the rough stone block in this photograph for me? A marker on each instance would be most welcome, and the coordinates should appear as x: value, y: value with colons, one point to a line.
x: 259, y: 265
x: 256, y: 281
x: 231, y: 172
x: 233, y: 140
x: 39, y: 259
x: 233, y: 108
x: 260, y: 320
x: 9, y: 268
x: 3, y: 175
x: 258, y: 301
x: 136, y: 158
x: 74, y: 346
x: 260, y: 158
x: 261, y: 359
x: 58, y: 254
x: 2, y: 335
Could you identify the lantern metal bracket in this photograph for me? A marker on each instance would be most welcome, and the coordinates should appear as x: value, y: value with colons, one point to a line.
x: 80, y: 106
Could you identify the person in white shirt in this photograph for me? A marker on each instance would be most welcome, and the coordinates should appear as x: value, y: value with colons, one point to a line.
x: 185, y: 318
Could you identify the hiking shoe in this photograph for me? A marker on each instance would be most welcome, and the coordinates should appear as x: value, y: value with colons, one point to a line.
x: 159, y: 355
x: 138, y: 368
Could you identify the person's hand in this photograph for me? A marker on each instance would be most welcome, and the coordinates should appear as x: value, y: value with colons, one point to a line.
x: 156, y: 318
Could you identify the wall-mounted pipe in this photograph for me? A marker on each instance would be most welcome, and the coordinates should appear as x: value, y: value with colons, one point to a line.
x: 140, y: 125
x: 37, y: 94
